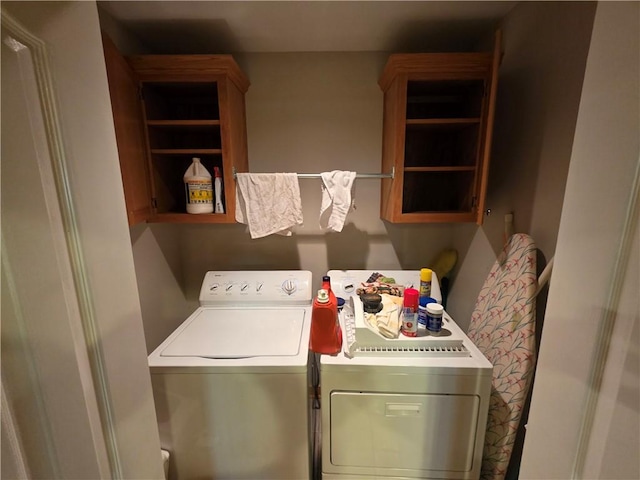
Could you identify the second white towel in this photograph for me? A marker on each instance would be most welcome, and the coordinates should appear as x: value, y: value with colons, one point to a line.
x: 337, y: 199
x: 268, y: 203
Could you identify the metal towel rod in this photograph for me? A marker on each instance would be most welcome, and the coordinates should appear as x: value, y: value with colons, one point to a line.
x: 358, y: 175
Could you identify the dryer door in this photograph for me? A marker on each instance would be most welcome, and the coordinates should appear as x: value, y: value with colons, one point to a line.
x: 419, y: 432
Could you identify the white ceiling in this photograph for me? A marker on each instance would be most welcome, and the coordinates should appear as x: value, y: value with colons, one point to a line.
x: 312, y: 26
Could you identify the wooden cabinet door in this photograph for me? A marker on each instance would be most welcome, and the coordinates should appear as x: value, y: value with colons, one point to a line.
x: 130, y: 134
x: 487, y: 134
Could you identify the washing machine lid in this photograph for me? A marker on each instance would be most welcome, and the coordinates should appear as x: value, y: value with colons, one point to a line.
x: 238, y: 333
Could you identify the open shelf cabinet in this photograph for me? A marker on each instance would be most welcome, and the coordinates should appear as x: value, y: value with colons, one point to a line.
x: 168, y: 109
x: 438, y: 120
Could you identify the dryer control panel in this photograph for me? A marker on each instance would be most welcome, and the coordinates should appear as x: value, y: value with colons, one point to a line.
x: 282, y: 287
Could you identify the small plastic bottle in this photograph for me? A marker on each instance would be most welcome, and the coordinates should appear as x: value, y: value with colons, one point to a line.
x: 435, y: 312
x: 409, y: 326
x: 422, y: 310
x: 217, y: 183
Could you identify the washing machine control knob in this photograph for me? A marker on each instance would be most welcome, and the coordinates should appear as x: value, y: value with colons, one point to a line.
x: 289, y: 287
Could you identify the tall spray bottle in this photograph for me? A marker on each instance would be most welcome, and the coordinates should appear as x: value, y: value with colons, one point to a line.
x: 217, y: 186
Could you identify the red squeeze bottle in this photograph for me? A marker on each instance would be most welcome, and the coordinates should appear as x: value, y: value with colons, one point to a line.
x: 326, y: 336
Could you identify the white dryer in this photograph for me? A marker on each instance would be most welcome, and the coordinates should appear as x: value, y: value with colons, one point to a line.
x: 230, y: 384
x: 402, y: 410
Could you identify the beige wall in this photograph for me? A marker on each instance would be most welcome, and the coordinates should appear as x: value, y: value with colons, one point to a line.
x: 584, y: 420
x: 314, y: 112
x: 158, y: 260
x: 545, y: 46
x: 125, y: 40
x: 156, y: 247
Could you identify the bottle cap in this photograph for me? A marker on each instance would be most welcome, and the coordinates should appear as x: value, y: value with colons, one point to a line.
x: 435, y: 309
x: 425, y: 300
x: 323, y: 296
x: 326, y: 278
x: 411, y: 296
x: 425, y: 275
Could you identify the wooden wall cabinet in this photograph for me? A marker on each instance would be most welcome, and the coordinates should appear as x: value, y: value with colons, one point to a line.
x: 438, y: 119
x: 168, y: 109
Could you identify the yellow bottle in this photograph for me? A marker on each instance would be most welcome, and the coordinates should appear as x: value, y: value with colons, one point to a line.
x: 425, y: 282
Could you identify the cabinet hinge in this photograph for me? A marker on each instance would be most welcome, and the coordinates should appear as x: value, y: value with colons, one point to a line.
x: 474, y: 202
x: 140, y: 92
x: 154, y: 202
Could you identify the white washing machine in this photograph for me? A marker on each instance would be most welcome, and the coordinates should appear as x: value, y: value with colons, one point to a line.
x: 230, y: 384
x: 406, y: 408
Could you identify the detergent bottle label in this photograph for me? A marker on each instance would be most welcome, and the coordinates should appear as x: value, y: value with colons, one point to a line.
x: 409, y: 326
x: 199, y: 192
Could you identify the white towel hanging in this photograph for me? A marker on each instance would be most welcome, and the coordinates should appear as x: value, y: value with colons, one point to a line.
x: 337, y: 199
x: 268, y: 203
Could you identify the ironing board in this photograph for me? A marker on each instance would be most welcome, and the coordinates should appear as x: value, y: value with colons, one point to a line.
x: 503, y: 327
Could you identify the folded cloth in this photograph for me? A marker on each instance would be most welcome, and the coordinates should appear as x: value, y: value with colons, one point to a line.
x: 268, y: 203
x: 337, y: 199
x: 389, y: 323
x: 387, y: 320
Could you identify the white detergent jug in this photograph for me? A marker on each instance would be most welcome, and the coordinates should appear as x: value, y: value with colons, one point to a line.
x: 198, y: 188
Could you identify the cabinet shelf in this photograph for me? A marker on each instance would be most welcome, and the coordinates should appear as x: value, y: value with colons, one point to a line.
x: 171, y: 217
x: 175, y: 136
x: 186, y: 151
x: 436, y: 122
x: 183, y: 123
x: 440, y: 169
